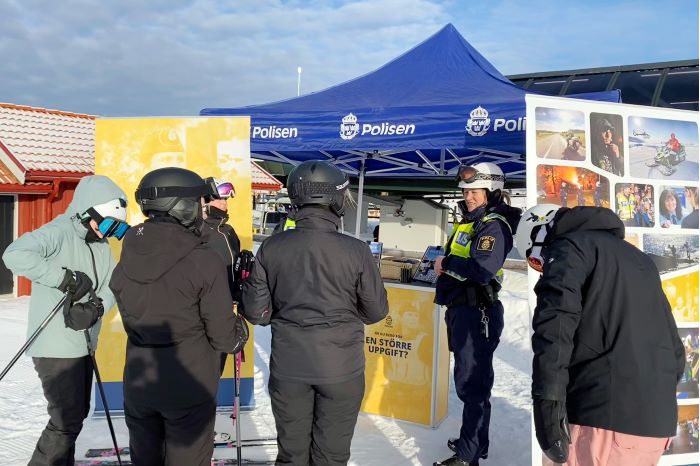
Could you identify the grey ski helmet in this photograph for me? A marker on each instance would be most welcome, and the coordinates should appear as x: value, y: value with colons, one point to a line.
x: 317, y: 182
x: 176, y: 192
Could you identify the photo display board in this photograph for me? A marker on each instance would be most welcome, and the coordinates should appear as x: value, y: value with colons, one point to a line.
x: 641, y: 162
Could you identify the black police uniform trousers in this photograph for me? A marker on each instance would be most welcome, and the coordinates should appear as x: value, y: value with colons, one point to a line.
x: 315, y: 423
x: 473, y: 373
x: 67, y: 383
x: 172, y: 436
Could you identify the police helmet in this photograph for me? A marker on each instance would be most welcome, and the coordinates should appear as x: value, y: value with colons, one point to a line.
x: 175, y: 192
x: 483, y: 175
x: 317, y: 182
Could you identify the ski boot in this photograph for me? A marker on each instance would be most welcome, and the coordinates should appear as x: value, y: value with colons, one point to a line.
x: 452, y: 461
x: 452, y: 445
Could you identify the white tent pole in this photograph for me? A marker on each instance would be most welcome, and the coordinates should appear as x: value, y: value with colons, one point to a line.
x: 360, y: 189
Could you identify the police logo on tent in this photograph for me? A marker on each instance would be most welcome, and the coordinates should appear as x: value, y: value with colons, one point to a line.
x: 349, y: 128
x: 478, y: 122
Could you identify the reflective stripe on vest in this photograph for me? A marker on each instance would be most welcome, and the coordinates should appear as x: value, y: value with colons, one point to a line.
x: 289, y: 224
x: 625, y: 206
x: 460, y: 243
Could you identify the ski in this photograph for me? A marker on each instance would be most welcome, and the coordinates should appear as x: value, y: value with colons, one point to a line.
x: 124, y: 451
x: 214, y: 462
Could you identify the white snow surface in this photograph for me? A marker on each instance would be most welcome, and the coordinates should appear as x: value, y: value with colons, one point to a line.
x: 377, y: 440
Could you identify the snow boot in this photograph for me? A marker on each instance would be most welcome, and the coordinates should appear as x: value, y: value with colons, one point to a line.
x: 452, y: 461
x: 452, y: 445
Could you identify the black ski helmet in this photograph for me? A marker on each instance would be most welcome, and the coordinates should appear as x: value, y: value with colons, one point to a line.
x: 317, y: 182
x: 176, y: 192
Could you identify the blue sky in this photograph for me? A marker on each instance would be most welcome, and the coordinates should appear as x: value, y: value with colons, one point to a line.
x: 174, y: 57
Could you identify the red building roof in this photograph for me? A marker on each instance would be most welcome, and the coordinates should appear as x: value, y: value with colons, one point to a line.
x: 45, y: 141
x: 262, y: 180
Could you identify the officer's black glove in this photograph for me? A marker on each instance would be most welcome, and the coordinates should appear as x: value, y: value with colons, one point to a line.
x: 82, y: 316
x: 241, y: 328
x: 241, y: 271
x: 552, y: 429
x: 77, y: 284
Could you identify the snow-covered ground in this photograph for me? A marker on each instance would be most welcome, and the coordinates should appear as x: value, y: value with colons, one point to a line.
x: 377, y: 441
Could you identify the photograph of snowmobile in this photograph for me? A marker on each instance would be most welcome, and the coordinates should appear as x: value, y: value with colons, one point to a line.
x: 666, y: 159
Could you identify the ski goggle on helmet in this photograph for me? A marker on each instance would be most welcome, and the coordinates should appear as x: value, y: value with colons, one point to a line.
x: 481, y: 175
x: 532, y: 231
x: 225, y: 189
x: 110, y: 218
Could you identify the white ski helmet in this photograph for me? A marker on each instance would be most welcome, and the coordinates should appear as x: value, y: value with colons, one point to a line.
x: 483, y: 175
x: 532, y: 231
x: 116, y: 208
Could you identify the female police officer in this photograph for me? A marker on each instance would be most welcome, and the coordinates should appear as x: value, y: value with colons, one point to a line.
x: 317, y: 287
x: 470, y: 276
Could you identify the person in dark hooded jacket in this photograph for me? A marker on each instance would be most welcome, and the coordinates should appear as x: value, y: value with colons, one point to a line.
x: 172, y: 292
x: 318, y: 288
x: 607, y: 354
x: 469, y: 278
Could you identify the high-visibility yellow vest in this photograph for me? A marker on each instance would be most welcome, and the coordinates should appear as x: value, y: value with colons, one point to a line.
x: 625, y: 206
x: 289, y: 224
x: 460, y: 243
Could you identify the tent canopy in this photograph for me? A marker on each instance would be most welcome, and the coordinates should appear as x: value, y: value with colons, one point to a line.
x: 422, y: 114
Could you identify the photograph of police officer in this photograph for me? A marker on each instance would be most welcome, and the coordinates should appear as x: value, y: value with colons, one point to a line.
x: 634, y: 204
x: 560, y: 134
x: 688, y: 385
x: 572, y: 186
x: 607, y: 143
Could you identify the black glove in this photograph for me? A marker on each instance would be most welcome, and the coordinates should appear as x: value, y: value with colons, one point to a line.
x: 552, y: 429
x: 77, y: 284
x: 241, y: 271
x: 82, y: 316
x: 241, y: 330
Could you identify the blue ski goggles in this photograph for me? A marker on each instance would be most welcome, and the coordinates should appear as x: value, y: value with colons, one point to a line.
x: 111, y: 227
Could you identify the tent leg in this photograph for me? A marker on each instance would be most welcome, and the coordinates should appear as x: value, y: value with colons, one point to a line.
x: 360, y: 189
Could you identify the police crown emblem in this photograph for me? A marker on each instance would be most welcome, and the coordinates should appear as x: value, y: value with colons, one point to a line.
x: 478, y: 122
x: 349, y: 128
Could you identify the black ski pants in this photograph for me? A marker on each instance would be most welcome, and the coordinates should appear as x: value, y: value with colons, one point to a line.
x: 171, y: 436
x: 473, y: 374
x: 315, y: 423
x: 67, y: 383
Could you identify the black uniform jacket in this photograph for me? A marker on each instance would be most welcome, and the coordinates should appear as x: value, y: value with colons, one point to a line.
x: 177, y: 311
x: 604, y: 336
x: 317, y: 287
x: 222, y: 238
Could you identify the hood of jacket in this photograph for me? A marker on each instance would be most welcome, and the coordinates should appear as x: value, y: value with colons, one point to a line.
x: 154, y: 247
x: 317, y: 217
x: 510, y: 213
x: 568, y: 220
x: 91, y: 191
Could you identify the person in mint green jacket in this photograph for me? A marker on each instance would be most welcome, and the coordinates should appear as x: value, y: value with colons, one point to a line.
x: 70, y: 254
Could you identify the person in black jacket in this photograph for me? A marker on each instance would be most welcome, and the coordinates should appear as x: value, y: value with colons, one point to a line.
x: 318, y: 288
x: 469, y: 278
x: 221, y: 237
x: 607, y: 355
x: 176, y: 308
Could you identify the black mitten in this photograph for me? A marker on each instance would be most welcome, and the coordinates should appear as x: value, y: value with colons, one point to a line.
x: 552, y: 429
x: 77, y: 284
x: 82, y: 316
x: 241, y: 337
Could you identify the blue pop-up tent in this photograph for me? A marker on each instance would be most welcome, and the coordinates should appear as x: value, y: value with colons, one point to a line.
x: 436, y: 106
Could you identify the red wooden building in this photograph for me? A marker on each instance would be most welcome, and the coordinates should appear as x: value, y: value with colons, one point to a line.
x: 43, y: 155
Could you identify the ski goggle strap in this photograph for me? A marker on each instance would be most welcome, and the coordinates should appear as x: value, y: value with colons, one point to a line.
x: 534, y: 256
x: 226, y: 190
x: 469, y: 174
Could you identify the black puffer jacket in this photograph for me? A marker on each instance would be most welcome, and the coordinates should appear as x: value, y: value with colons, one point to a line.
x: 317, y: 287
x: 177, y: 311
x: 604, y: 336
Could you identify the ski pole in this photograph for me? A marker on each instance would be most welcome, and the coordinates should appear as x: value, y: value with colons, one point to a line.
x: 34, y: 336
x: 100, y: 388
x: 237, y: 403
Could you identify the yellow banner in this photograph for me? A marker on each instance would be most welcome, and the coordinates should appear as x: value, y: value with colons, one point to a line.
x: 128, y: 148
x: 399, y: 352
